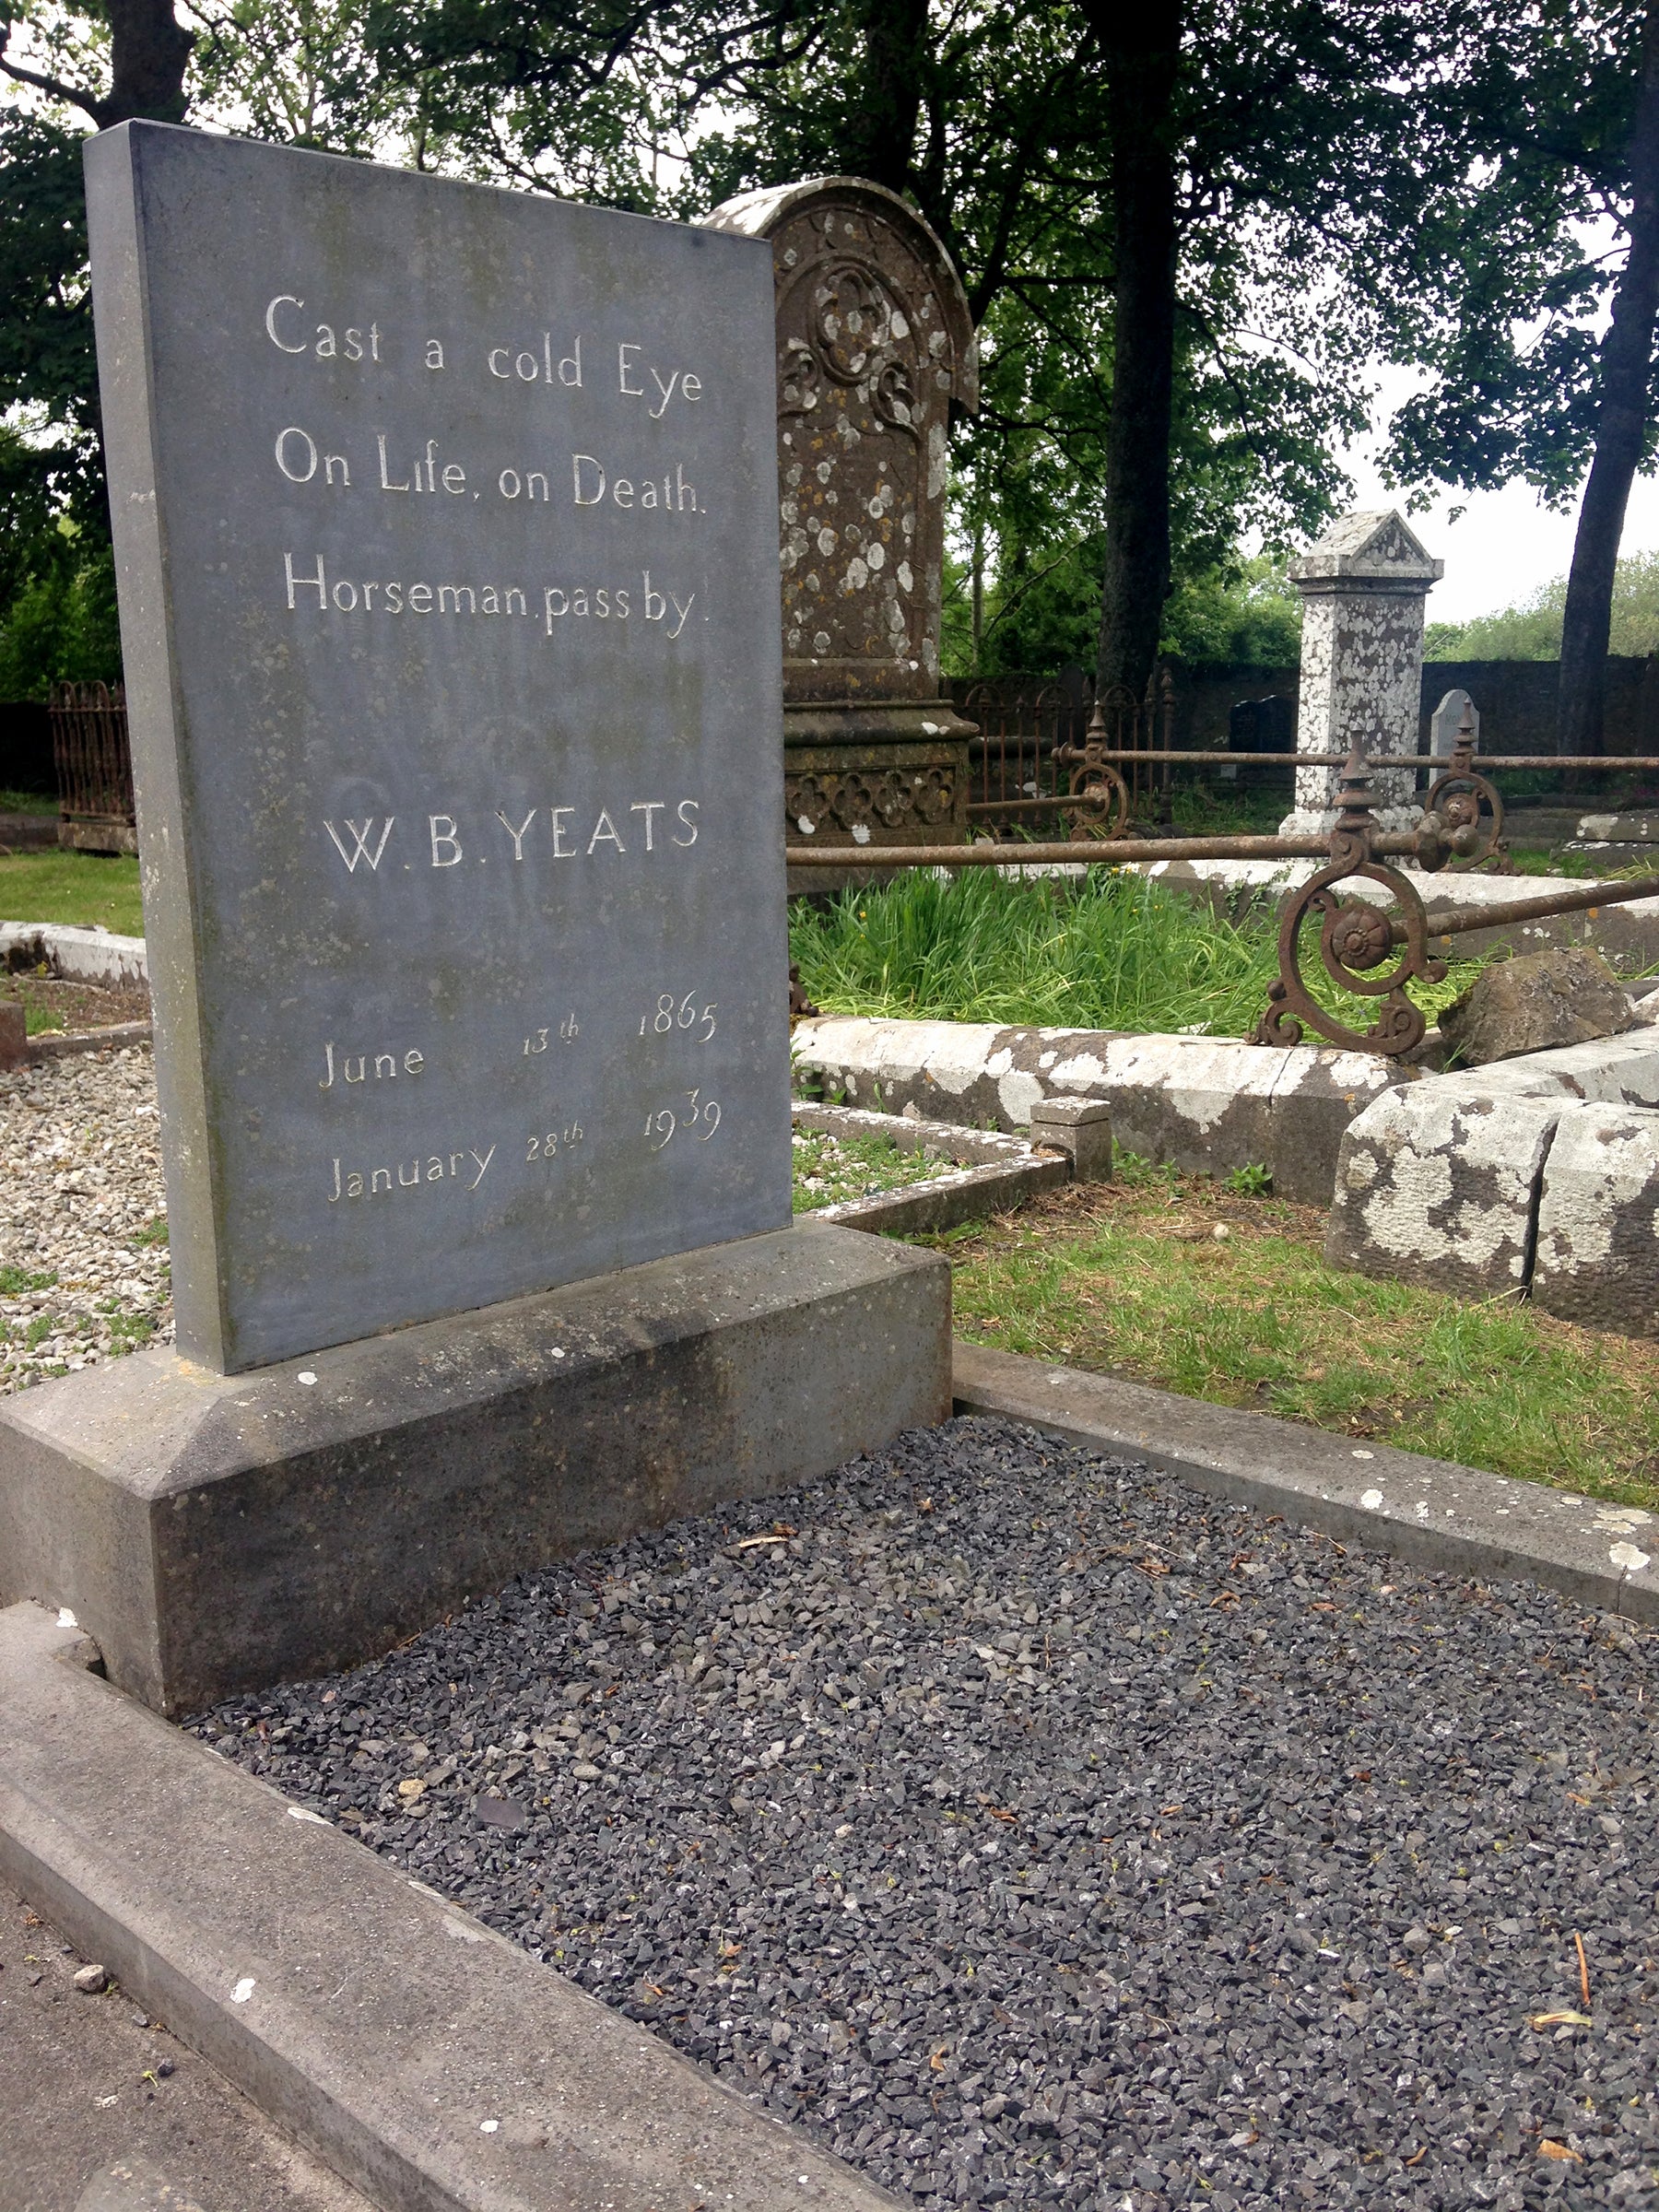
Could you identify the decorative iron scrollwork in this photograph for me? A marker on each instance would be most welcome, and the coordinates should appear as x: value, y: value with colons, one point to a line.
x: 1356, y: 939
x: 1102, y: 799
x: 1462, y: 814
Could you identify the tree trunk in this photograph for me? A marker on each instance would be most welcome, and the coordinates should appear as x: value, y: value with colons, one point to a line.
x: 1141, y: 50
x: 1620, y: 429
x: 882, y: 139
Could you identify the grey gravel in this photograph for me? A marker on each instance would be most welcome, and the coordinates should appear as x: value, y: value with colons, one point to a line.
x: 83, y: 1247
x: 1037, y: 1831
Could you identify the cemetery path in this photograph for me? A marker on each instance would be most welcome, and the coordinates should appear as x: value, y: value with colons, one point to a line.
x: 103, y: 2109
x: 1034, y: 1830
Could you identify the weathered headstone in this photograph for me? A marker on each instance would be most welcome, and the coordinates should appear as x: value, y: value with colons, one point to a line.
x: 1363, y: 586
x: 1455, y: 708
x: 446, y: 547
x: 445, y: 533
x: 874, y: 343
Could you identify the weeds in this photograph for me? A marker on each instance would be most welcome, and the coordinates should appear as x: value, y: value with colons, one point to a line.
x: 1111, y: 951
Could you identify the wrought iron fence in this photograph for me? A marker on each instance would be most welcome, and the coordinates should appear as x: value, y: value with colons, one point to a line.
x: 94, y: 765
x: 1364, y: 950
x: 1032, y: 757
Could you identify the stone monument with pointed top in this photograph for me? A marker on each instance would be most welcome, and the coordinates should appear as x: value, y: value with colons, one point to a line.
x: 1363, y: 586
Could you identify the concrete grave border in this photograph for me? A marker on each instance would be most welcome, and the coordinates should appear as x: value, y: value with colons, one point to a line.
x: 994, y: 1172
x: 79, y: 955
x: 1206, y: 1104
x: 431, y: 2062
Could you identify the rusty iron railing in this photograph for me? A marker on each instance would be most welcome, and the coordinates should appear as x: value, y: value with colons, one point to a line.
x: 1035, y: 753
x: 1364, y: 950
x: 94, y: 764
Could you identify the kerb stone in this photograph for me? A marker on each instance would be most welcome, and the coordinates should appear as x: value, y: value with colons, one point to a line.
x: 1437, y: 1185
x: 1598, y: 1221
x: 220, y: 1534
x: 433, y: 2063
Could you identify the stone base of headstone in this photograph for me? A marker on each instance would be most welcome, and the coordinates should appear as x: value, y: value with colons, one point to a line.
x: 215, y: 1534
x: 884, y: 776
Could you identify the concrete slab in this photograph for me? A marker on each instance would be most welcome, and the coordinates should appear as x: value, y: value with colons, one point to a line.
x: 431, y: 2063
x: 1208, y: 1104
x: 103, y: 2110
x: 1452, y: 1519
x: 219, y: 1532
x: 945, y: 1201
x: 1597, y: 1259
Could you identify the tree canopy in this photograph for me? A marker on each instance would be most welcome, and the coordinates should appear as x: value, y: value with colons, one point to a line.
x: 1227, y: 212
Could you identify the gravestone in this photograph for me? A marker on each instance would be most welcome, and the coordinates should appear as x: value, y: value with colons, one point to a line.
x: 874, y: 344
x: 455, y: 556
x: 1448, y: 719
x: 1363, y: 585
x: 445, y: 538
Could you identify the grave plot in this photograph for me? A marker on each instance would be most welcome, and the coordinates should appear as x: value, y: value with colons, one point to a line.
x: 1034, y: 1831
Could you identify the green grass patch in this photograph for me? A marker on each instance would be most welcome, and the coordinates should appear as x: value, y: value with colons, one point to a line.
x: 1132, y: 1279
x: 16, y: 1282
x: 830, y: 1170
x: 1109, y: 952
x: 26, y: 802
x: 84, y: 887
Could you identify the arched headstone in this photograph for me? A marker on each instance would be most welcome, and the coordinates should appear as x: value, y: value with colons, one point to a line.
x: 1448, y: 719
x: 875, y: 344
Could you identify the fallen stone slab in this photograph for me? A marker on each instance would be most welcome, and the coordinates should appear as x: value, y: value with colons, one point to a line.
x: 1203, y: 1104
x: 1608, y: 1071
x: 217, y: 1533
x: 1598, y: 1220
x: 1452, y: 1519
x: 431, y: 2063
x: 1437, y: 1185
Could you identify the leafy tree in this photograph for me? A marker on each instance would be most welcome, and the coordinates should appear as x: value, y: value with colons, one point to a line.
x: 1129, y: 403
x: 1499, y: 296
x: 56, y: 581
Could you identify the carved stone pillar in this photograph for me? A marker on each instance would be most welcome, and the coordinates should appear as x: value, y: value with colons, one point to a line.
x: 1363, y: 585
x: 874, y: 343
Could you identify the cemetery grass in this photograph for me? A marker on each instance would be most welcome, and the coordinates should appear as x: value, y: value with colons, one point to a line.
x: 1132, y: 1279
x: 88, y: 889
x: 1108, y: 951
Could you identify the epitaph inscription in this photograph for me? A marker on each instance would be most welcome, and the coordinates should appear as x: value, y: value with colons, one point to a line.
x: 446, y: 541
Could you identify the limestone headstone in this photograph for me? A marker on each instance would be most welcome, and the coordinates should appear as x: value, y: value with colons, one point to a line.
x: 1363, y: 586
x: 873, y: 343
x: 445, y: 531
x: 1448, y: 719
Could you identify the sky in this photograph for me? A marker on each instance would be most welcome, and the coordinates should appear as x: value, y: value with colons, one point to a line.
x: 1504, y: 544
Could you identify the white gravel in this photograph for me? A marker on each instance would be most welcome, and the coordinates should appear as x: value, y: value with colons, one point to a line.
x: 83, y: 1252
